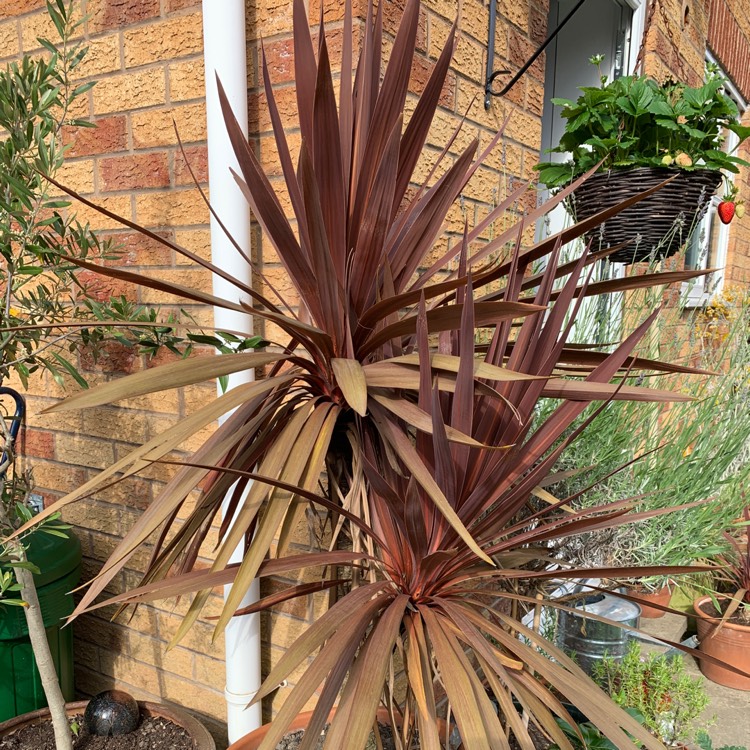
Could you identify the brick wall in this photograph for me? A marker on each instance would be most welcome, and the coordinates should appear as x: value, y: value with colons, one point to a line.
x: 728, y: 29
x: 147, y: 58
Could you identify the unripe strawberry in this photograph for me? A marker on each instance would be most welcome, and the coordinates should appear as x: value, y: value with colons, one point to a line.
x: 739, y: 210
x: 667, y: 160
x: 683, y: 160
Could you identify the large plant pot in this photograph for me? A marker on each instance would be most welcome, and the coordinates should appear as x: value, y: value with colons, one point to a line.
x: 199, y: 734
x: 730, y: 644
x: 252, y: 741
x: 59, y: 563
x: 656, y: 227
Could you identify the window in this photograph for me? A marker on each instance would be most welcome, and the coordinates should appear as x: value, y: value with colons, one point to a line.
x: 708, y: 245
x: 609, y: 27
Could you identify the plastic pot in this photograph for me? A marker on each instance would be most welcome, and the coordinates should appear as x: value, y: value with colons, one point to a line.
x: 59, y: 563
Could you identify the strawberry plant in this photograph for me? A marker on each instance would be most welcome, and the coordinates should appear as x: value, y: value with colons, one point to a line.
x: 634, y: 121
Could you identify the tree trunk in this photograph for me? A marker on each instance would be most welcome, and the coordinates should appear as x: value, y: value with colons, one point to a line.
x: 42, y: 654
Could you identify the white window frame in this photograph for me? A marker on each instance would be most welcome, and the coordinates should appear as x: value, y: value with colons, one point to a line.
x: 705, y: 288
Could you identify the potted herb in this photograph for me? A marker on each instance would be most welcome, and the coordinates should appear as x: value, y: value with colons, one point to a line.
x: 429, y: 443
x: 657, y: 686
x: 724, y: 615
x: 639, y: 133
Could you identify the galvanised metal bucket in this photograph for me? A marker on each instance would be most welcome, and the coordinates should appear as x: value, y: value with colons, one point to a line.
x: 589, y: 641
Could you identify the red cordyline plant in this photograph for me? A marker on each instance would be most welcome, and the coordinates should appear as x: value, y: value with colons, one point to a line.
x: 430, y: 442
x: 735, y: 575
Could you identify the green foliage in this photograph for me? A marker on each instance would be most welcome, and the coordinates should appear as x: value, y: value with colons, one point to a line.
x: 658, y: 687
x: 48, y: 309
x: 586, y: 736
x: 696, y: 453
x: 634, y: 121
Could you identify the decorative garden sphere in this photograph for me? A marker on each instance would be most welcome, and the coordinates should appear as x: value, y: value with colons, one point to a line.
x: 111, y: 713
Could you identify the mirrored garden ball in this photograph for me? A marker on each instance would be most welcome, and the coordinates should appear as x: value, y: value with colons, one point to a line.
x: 111, y: 713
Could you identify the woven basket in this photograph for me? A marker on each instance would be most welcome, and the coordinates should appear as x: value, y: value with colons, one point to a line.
x: 659, y: 225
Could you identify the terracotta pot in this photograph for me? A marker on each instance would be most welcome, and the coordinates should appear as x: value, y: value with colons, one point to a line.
x: 731, y: 644
x: 252, y: 741
x: 644, y: 597
x: 200, y: 735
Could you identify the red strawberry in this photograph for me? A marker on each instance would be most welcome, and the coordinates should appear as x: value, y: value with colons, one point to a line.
x: 726, y: 211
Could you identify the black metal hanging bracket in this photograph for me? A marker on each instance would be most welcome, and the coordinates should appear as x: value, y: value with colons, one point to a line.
x: 491, y: 75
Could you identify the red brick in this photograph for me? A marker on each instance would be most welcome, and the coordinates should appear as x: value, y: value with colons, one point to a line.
x: 135, y: 249
x: 39, y: 443
x: 135, y: 171
x: 113, y: 14
x: 197, y: 158
x: 173, y: 5
x: 280, y: 59
x: 537, y: 25
x: 12, y: 8
x: 113, y: 358
x: 101, y: 288
x: 420, y: 74
x: 109, y: 135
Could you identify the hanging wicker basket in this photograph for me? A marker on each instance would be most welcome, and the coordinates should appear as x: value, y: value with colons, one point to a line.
x: 656, y: 227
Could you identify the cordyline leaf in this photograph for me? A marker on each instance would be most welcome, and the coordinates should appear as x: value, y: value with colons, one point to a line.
x: 293, y: 592
x: 389, y: 375
x: 164, y: 507
x: 359, y: 702
x: 419, y: 673
x: 449, y: 318
x: 585, y: 358
x: 586, y: 390
x: 178, y: 290
x: 406, y: 453
x: 420, y: 419
x: 458, y: 682
x: 546, y: 246
x: 350, y: 377
x: 303, y: 451
x: 337, y: 638
x: 158, y: 446
x: 196, y: 580
x: 154, y: 236
x: 171, y: 375
x: 645, y: 281
x: 338, y: 616
x: 482, y: 369
x: 273, y: 464
x: 420, y: 121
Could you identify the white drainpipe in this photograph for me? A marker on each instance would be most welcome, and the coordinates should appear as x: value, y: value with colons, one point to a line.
x: 225, y: 54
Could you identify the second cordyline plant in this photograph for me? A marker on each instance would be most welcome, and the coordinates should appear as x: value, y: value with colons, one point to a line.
x: 429, y: 441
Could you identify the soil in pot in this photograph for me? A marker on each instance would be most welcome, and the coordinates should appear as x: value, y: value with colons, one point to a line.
x: 292, y: 740
x: 539, y: 740
x: 153, y: 733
